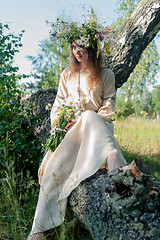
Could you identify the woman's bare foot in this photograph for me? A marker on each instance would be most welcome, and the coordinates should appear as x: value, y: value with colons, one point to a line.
x: 38, y: 236
x: 104, y: 165
x: 136, y: 167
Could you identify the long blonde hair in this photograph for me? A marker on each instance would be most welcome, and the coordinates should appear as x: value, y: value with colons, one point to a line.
x: 92, y: 65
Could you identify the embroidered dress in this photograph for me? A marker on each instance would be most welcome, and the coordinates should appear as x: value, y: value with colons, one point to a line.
x: 82, y: 151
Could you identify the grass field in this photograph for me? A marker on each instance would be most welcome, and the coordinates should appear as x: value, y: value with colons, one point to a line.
x: 140, y: 138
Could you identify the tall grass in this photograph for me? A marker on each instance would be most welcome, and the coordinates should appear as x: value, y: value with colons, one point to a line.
x: 18, y: 199
x: 140, y: 138
x: 19, y: 195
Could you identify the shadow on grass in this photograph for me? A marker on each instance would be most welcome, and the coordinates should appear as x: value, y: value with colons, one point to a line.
x: 151, y: 160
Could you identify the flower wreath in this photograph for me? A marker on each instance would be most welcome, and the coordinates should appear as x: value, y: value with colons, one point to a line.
x: 89, y: 34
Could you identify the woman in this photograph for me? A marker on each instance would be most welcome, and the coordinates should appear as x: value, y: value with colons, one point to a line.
x: 89, y: 143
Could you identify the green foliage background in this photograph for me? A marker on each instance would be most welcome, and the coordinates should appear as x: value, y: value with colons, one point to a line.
x: 15, y: 119
x: 52, y: 58
x: 135, y: 96
x: 21, y: 152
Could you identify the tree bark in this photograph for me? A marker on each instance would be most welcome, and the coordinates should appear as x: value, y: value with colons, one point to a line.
x: 134, y: 36
x: 120, y: 205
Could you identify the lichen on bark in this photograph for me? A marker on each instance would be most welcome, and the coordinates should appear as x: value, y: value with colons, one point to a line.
x: 118, y: 206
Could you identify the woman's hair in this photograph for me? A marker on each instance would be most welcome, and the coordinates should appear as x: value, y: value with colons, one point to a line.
x: 92, y: 65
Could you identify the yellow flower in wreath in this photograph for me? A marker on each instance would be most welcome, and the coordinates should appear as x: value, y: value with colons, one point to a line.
x: 98, y: 49
x: 107, y: 48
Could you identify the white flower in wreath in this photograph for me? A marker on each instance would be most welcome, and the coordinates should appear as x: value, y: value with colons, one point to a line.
x: 84, y: 40
x: 88, y: 19
x: 79, y: 49
x: 93, y: 20
x: 87, y: 45
x: 79, y: 42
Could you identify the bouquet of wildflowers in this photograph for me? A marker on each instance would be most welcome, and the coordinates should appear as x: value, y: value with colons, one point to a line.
x: 68, y: 111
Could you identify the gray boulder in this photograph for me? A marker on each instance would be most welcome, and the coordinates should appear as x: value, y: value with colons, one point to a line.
x: 118, y: 206
x: 38, y: 101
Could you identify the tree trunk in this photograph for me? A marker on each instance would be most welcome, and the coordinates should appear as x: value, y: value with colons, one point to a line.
x: 134, y: 36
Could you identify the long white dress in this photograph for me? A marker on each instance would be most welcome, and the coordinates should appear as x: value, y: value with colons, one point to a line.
x: 83, y: 150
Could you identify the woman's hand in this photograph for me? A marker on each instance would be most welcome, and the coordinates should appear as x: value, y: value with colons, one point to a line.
x: 69, y: 125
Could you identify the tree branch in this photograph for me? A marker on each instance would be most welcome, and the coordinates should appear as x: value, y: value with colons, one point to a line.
x: 134, y: 36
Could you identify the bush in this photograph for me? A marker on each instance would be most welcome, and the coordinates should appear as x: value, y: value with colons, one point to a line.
x: 18, y: 138
x: 15, y: 119
x: 123, y: 109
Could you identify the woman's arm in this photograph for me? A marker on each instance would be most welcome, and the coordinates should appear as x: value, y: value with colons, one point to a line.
x: 109, y: 96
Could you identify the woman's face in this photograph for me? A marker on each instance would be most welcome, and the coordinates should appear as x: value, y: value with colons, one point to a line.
x: 79, y: 52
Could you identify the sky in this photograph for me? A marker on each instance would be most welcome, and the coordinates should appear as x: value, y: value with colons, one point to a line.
x: 31, y: 16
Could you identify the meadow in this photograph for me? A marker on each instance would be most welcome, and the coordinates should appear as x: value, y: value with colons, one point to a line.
x: 138, y: 138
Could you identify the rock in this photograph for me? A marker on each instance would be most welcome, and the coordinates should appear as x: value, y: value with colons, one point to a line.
x: 39, y: 100
x: 118, y: 205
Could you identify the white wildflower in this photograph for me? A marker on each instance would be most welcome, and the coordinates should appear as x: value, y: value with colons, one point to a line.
x: 55, y: 120
x: 69, y: 111
x: 52, y: 132
x: 70, y: 102
x: 83, y: 41
x: 59, y: 129
x: 79, y: 105
x: 48, y: 106
x: 88, y: 19
x: 67, y: 117
x: 93, y: 20
x: 79, y: 42
x: 79, y: 49
x: 87, y: 45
